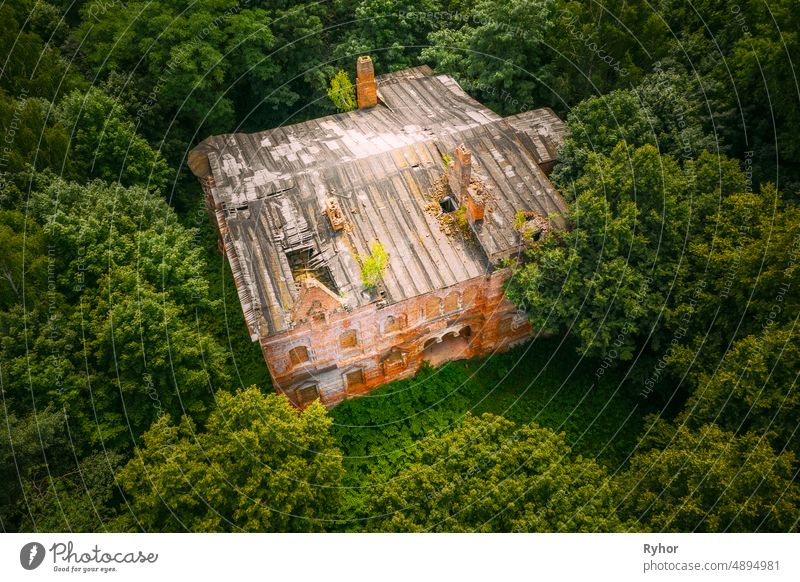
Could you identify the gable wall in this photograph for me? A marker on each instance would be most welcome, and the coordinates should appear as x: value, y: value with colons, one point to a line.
x: 383, y: 354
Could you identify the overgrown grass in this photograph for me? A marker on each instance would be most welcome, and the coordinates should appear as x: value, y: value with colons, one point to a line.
x: 543, y: 381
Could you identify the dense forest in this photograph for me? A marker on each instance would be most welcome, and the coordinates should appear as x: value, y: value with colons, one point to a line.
x: 659, y: 392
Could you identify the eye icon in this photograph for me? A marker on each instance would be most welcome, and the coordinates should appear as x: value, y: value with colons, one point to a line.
x: 31, y: 555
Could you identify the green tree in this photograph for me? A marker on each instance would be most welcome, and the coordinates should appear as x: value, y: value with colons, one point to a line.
x: 341, y: 92
x: 665, y: 110
x: 750, y: 247
x: 753, y: 389
x: 762, y: 65
x: 30, y: 448
x: 104, y: 143
x: 490, y: 476
x: 97, y: 227
x: 495, y: 50
x: 304, y: 34
x: 257, y: 465
x: 599, y: 280
x: 223, y: 64
x: 373, y: 265
x: 32, y: 139
x: 156, y: 357
x: 647, y: 258
x: 391, y: 31
x: 31, y: 67
x: 740, y: 270
x: 23, y: 264
x: 125, y: 305
x: 596, y: 47
x: 79, y: 500
x: 709, y: 480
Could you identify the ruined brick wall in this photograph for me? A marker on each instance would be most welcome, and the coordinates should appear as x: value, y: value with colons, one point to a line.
x: 343, y: 354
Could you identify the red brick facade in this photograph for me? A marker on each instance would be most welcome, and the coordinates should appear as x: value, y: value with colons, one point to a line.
x: 349, y: 354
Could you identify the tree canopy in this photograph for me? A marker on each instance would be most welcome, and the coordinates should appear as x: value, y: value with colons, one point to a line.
x: 489, y: 475
x: 258, y: 465
x: 710, y: 480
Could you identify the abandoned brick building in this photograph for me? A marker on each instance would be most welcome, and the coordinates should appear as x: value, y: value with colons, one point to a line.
x: 447, y: 187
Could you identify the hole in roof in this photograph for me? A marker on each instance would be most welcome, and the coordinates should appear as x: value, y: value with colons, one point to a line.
x: 308, y: 262
x: 448, y: 204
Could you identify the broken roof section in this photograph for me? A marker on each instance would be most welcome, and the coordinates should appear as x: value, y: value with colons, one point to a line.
x: 374, y: 170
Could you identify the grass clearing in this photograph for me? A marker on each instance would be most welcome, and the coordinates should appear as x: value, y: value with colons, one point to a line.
x: 543, y: 381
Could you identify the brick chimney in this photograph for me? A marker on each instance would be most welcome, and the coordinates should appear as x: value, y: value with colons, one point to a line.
x: 475, y: 205
x: 334, y: 213
x: 366, y: 87
x: 459, y: 173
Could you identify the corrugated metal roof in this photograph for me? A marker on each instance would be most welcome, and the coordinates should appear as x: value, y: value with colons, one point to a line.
x: 382, y: 165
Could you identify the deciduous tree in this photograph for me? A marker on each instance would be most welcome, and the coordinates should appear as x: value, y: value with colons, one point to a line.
x: 709, y: 480
x: 488, y: 475
x: 257, y: 465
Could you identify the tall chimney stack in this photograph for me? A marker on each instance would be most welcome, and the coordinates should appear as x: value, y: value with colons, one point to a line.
x: 366, y: 87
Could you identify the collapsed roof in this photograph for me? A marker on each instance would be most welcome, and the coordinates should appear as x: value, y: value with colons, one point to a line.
x: 310, y: 198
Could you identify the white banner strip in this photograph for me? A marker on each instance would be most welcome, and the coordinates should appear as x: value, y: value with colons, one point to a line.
x: 383, y: 557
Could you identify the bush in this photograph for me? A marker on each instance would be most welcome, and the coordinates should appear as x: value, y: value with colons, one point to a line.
x: 373, y: 265
x: 342, y: 92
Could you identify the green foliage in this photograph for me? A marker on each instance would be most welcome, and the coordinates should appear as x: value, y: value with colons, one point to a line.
x: 391, y: 31
x: 80, y: 500
x: 342, y: 93
x: 664, y: 111
x: 98, y: 227
x: 519, y: 220
x: 709, y: 480
x: 32, y: 139
x: 605, y: 260
x: 589, y: 52
x: 201, y: 71
x: 378, y: 434
x: 374, y: 265
x: 461, y: 222
x: 258, y: 465
x: 27, y: 447
x: 104, y: 143
x: 164, y: 362
x: 31, y: 67
x: 762, y: 62
x: 487, y: 475
x: 23, y: 262
x: 495, y: 52
x: 124, y: 293
x: 737, y: 282
x: 750, y: 247
x: 192, y: 59
x: 754, y: 388
x: 110, y: 308
x: 650, y: 253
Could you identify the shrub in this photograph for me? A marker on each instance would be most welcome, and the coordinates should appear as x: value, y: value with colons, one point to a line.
x: 342, y: 92
x: 373, y: 265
